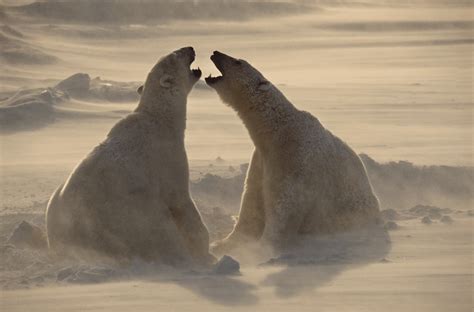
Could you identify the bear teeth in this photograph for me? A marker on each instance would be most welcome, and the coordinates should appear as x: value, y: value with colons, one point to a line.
x: 211, y: 79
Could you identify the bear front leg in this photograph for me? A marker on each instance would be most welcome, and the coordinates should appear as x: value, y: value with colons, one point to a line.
x: 284, y: 215
x: 190, y: 224
x: 144, y: 230
x: 250, y: 224
x: 166, y: 242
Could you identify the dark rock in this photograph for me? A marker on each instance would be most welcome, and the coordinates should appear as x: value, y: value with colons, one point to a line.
x: 28, y: 235
x: 226, y: 266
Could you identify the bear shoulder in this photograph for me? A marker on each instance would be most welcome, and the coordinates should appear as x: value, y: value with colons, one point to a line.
x: 129, y: 125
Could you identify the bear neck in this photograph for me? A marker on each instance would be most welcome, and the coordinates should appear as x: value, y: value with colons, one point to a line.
x: 169, y: 113
x: 266, y: 116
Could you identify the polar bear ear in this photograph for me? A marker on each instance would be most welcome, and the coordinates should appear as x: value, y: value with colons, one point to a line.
x: 140, y: 90
x: 264, y: 85
x: 166, y: 81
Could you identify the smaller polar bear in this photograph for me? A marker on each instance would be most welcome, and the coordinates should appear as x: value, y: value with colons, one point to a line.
x: 302, y: 179
x: 129, y: 198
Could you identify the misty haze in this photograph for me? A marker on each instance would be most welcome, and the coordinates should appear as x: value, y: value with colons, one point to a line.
x: 391, y: 79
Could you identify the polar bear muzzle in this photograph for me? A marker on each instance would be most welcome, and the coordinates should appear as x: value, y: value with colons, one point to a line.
x: 222, y: 61
x: 191, y: 55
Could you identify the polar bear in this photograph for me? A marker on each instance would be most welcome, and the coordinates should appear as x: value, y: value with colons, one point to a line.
x: 129, y: 197
x: 302, y: 179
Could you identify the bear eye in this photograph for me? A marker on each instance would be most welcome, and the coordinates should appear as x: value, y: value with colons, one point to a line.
x: 263, y: 85
x: 237, y: 62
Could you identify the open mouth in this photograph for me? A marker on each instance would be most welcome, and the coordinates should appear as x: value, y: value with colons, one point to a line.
x: 216, y: 59
x: 211, y: 80
x: 196, y: 72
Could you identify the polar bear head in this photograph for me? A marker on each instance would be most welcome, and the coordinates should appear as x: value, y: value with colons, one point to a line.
x: 170, y: 80
x: 240, y: 84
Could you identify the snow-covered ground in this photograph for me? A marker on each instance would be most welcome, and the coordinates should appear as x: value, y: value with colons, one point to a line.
x: 429, y: 268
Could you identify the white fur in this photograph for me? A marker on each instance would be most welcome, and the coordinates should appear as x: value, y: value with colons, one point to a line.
x: 129, y: 197
x: 302, y: 179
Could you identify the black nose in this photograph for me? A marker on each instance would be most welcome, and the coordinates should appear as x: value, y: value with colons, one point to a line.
x: 187, y: 50
x: 217, y: 53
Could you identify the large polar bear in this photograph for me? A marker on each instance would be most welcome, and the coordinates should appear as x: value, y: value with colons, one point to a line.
x: 129, y: 198
x: 302, y: 179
